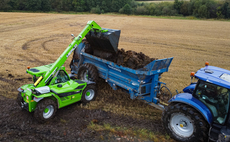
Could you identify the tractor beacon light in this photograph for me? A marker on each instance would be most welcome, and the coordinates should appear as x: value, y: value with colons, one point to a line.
x: 28, y: 67
x: 192, y: 74
x: 206, y: 63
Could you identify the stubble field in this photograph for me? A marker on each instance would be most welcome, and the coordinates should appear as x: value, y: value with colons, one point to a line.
x: 33, y: 39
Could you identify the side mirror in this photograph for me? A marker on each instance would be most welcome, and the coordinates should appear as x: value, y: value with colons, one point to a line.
x: 59, y: 85
x: 73, y: 35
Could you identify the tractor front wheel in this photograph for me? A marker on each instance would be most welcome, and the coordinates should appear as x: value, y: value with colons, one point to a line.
x: 184, y: 123
x: 89, y: 93
x: 45, y: 110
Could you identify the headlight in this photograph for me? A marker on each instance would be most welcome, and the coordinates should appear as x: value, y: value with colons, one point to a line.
x: 20, y: 89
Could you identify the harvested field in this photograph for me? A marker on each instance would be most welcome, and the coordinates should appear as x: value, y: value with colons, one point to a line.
x: 34, y: 39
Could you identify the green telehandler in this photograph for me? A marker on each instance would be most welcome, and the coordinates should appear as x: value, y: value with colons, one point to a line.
x: 53, y: 88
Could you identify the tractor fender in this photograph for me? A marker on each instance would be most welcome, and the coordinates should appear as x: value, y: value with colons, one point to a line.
x: 188, y: 99
x: 190, y: 88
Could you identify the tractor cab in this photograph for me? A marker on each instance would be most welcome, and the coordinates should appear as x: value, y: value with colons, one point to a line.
x: 213, y: 90
x: 215, y: 97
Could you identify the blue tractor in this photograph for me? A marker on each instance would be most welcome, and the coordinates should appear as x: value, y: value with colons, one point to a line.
x: 201, y: 113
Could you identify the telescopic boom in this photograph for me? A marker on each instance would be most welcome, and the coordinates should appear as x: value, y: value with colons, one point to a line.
x: 43, y: 80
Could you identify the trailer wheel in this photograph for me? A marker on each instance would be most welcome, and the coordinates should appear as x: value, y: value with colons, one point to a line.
x: 164, y: 94
x: 88, y: 72
x: 89, y: 93
x: 45, y: 110
x: 184, y: 123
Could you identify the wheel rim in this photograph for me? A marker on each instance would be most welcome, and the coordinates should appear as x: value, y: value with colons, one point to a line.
x: 89, y: 94
x: 48, y: 111
x: 182, y: 125
x: 85, y: 75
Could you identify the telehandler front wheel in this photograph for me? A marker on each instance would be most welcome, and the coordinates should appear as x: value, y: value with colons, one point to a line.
x: 45, y: 110
x: 89, y: 93
x: 184, y: 123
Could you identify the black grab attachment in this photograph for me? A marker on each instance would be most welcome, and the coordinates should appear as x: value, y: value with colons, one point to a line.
x: 107, y: 41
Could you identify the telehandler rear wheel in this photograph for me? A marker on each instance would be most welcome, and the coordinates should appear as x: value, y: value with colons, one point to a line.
x: 45, y: 110
x: 89, y: 93
x: 19, y: 99
x: 88, y: 72
x: 184, y: 123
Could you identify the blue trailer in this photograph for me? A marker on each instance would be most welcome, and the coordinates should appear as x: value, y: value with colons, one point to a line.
x: 142, y: 83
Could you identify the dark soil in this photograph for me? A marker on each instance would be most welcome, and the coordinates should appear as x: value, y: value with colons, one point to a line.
x: 130, y: 59
x: 70, y: 124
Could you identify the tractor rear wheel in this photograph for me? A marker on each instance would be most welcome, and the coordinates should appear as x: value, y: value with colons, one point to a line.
x: 183, y: 123
x: 88, y: 72
x: 45, y: 110
x: 89, y: 93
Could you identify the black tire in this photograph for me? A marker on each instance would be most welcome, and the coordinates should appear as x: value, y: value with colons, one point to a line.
x: 164, y: 94
x: 42, y: 106
x: 89, y: 93
x: 88, y: 72
x: 177, y: 120
x: 19, y: 99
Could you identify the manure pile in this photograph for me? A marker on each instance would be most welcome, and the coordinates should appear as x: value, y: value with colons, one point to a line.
x: 130, y: 59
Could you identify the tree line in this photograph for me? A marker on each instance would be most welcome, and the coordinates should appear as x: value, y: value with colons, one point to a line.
x: 63, y: 5
x: 196, y: 8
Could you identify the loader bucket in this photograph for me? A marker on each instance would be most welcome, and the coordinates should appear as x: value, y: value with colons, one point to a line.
x: 107, y: 41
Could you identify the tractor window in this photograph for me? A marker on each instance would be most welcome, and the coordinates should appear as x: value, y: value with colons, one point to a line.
x: 62, y: 77
x: 216, y: 98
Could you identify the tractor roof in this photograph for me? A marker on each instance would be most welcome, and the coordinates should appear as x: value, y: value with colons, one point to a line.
x: 214, y: 75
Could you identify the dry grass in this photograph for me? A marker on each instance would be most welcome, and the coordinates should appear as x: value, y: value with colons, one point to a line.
x: 29, y: 39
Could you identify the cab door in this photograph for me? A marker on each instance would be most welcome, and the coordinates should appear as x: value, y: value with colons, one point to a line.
x: 65, y: 89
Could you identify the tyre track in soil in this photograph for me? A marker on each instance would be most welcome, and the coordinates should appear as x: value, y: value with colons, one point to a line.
x: 36, y: 24
x: 12, y: 84
x: 70, y: 124
x: 26, y: 46
x: 7, y: 80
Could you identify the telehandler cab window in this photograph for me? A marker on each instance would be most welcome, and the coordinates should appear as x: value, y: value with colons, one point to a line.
x: 34, y: 78
x: 62, y: 77
x: 216, y: 98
